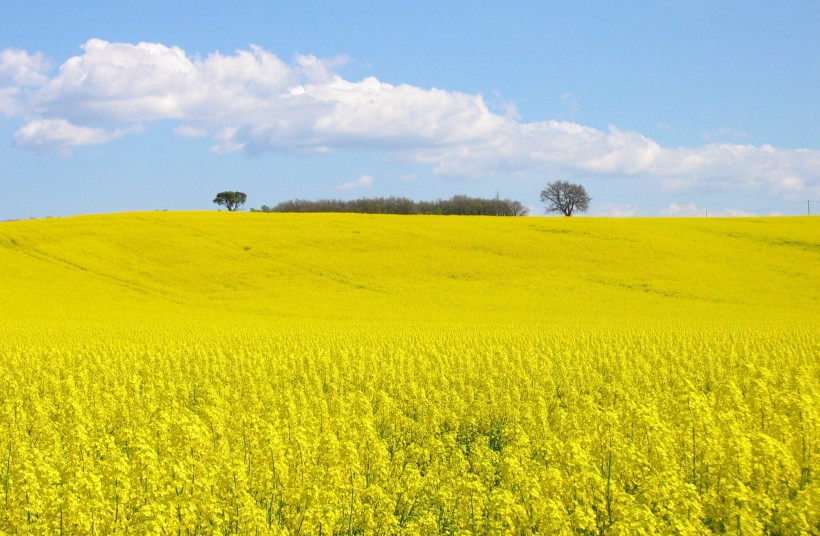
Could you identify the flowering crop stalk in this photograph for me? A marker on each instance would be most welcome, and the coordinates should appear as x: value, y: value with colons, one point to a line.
x: 350, y: 518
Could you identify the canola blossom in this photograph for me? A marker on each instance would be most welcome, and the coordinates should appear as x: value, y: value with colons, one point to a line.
x: 235, y: 373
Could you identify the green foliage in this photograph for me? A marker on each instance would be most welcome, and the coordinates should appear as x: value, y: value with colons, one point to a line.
x: 457, y: 205
x: 231, y: 200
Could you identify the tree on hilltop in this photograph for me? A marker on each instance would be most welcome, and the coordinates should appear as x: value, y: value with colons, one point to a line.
x: 565, y: 197
x: 231, y: 200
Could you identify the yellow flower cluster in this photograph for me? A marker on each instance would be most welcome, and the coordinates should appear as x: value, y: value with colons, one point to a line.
x: 198, y: 373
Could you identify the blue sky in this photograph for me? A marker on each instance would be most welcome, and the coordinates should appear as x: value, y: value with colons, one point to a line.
x: 657, y: 107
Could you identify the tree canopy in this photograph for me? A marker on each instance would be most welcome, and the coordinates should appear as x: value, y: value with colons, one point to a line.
x: 231, y: 200
x: 565, y: 197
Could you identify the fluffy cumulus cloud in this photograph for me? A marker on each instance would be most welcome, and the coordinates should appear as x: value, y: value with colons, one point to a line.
x: 20, y: 68
x: 19, y: 71
x: 253, y: 101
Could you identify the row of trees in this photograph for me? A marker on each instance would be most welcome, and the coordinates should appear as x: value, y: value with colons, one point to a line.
x: 558, y: 196
x: 456, y: 205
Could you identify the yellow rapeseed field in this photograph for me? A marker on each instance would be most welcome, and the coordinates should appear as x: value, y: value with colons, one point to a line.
x: 249, y: 373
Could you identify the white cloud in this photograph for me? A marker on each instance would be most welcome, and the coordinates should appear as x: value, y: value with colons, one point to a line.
x: 615, y: 210
x: 735, y: 213
x: 19, y: 72
x: 691, y: 209
x: 792, y: 183
x: 19, y: 68
x: 60, y: 135
x: 365, y: 181
x: 226, y: 141
x: 116, y: 82
x: 253, y: 101
x: 187, y: 131
x: 683, y: 209
x: 9, y: 101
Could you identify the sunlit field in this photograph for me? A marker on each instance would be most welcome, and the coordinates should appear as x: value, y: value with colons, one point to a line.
x: 248, y: 373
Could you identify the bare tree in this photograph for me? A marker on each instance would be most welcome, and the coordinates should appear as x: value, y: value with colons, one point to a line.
x: 565, y: 197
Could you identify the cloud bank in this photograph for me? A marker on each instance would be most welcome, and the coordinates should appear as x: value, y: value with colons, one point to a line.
x: 253, y: 101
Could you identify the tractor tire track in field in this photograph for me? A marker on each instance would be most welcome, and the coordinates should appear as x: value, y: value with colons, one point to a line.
x: 43, y: 256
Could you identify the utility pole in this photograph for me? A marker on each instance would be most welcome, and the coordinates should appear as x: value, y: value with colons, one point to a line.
x: 808, y: 207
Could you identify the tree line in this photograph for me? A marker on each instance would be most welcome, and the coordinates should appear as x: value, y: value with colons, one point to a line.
x: 558, y: 196
x: 457, y: 205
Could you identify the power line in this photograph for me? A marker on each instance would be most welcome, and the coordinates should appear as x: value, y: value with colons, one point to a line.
x: 773, y: 208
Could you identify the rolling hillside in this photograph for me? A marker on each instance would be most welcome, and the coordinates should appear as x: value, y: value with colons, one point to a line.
x: 414, y: 270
